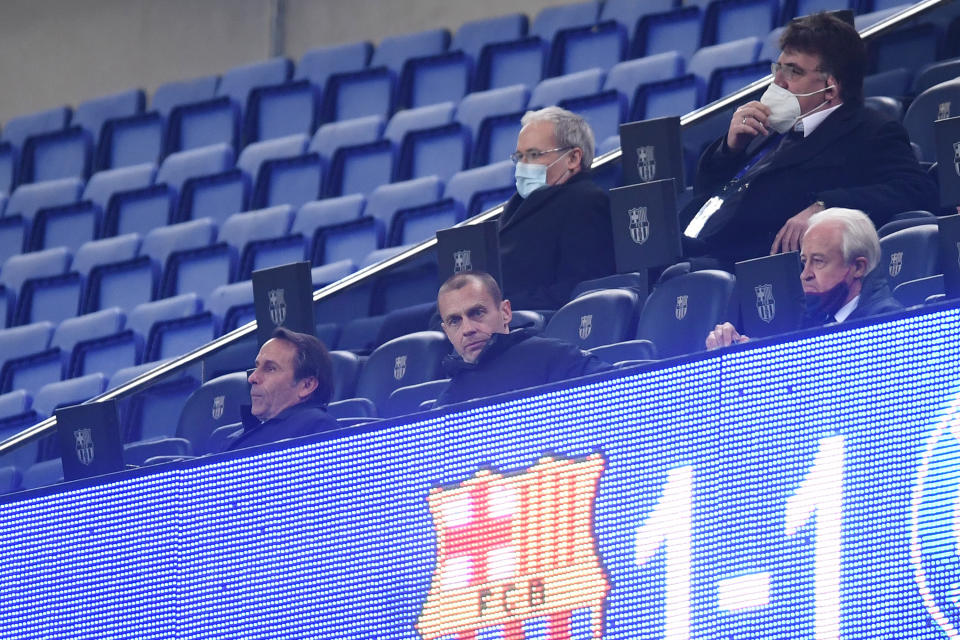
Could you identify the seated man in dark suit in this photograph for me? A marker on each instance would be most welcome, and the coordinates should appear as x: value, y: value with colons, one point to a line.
x: 840, y: 253
x: 807, y: 145
x: 289, y: 390
x: 490, y: 359
x: 555, y: 231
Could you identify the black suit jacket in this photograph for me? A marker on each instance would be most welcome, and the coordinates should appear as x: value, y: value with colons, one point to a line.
x: 552, y: 240
x: 855, y: 159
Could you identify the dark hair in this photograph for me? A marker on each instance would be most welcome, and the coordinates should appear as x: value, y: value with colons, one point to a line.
x: 462, y: 279
x: 312, y: 360
x: 842, y: 53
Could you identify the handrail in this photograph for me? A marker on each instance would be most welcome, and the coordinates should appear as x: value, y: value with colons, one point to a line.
x: 41, y: 428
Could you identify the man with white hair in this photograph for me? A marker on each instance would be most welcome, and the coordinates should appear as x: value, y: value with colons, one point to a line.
x: 555, y: 231
x: 839, y: 252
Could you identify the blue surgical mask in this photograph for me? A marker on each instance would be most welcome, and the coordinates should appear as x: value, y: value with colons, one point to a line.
x: 531, y: 177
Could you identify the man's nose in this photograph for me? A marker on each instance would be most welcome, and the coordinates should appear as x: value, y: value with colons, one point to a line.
x: 252, y: 377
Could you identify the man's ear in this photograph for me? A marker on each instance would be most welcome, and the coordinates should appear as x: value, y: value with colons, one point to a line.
x: 859, y: 267
x: 306, y: 386
x: 575, y: 158
x: 834, y: 93
x: 507, y: 313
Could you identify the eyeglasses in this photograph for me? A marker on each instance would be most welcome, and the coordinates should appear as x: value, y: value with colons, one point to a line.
x: 790, y: 71
x: 532, y: 155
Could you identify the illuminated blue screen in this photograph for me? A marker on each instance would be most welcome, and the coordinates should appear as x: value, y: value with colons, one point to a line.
x: 805, y: 490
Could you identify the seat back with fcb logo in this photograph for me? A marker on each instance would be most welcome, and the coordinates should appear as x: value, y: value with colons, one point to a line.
x: 401, y: 362
x: 596, y: 318
x: 682, y: 310
x: 89, y: 437
x: 283, y: 297
x: 771, y: 294
x: 909, y: 254
x: 215, y: 403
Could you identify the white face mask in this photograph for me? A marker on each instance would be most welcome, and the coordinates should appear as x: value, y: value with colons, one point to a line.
x: 785, y: 107
x: 530, y: 177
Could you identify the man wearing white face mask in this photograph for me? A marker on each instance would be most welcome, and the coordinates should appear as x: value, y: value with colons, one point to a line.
x: 807, y: 144
x: 555, y: 231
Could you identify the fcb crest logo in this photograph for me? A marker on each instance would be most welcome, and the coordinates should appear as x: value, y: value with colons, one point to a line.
x: 943, y: 112
x: 218, y: 404
x: 278, y: 306
x: 83, y: 440
x: 399, y: 367
x: 646, y: 164
x: 681, y: 309
x: 586, y: 325
x: 639, y: 225
x: 896, y: 263
x: 766, y: 305
x: 956, y: 157
x: 504, y: 558
x: 461, y: 261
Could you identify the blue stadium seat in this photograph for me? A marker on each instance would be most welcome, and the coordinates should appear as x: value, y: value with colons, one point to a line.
x: 445, y: 77
x: 407, y: 400
x: 596, y: 46
x: 92, y: 114
x: 323, y: 213
x: 626, y: 353
x: 145, y: 316
x: 726, y: 80
x: 119, y: 283
x: 795, y: 8
x: 682, y: 310
x: 708, y: 58
x: 346, y: 370
x: 103, y: 184
x: 83, y: 329
x: 771, y: 45
x: 67, y: 153
x: 669, y: 98
x: 317, y: 65
x: 401, y: 362
x: 677, y: 30
x: 503, y: 64
x: 552, y: 90
x: 231, y: 305
x: 280, y: 110
x: 329, y: 273
x: 255, y: 155
x: 928, y: 76
x: 41, y: 291
x: 170, y: 95
x: 179, y: 336
x: 354, y: 94
x: 107, y: 354
x: 9, y: 163
x: 152, y: 412
x: 468, y: 187
x: 32, y: 372
x: 917, y: 292
x: 348, y: 241
x: 920, y: 116
x: 416, y: 224
x: 604, y: 111
x: 241, y: 231
x: 14, y: 403
x: 629, y: 12
x: 68, y: 392
x: 909, y: 254
x: 628, y: 76
x: 728, y: 20
x: 130, y: 141
x: 334, y: 135
x: 361, y: 168
x: 19, y: 342
x: 868, y: 17
x: 18, y: 129
x: 97, y: 252
x: 474, y: 35
x: 895, y: 82
x: 439, y: 151
x: 25, y: 202
x: 218, y: 120
x: 550, y: 20
x: 42, y: 474
x: 386, y: 200
x: 214, y: 404
x: 596, y: 318
x: 393, y: 52
x: 167, y: 247
x: 912, y: 47
x: 493, y: 118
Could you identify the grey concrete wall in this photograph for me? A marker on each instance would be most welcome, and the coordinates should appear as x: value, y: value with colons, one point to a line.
x: 55, y: 52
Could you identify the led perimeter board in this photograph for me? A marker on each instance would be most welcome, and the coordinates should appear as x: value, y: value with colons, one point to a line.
x: 803, y: 490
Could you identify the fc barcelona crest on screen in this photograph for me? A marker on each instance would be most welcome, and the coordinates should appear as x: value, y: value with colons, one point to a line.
x: 646, y: 164
x: 766, y: 305
x: 586, y: 326
x: 681, y: 309
x: 461, y: 261
x: 943, y: 112
x: 956, y: 157
x: 639, y: 225
x: 83, y: 439
x: 504, y: 557
x: 399, y: 367
x: 218, y: 404
x: 278, y: 306
x: 896, y: 263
